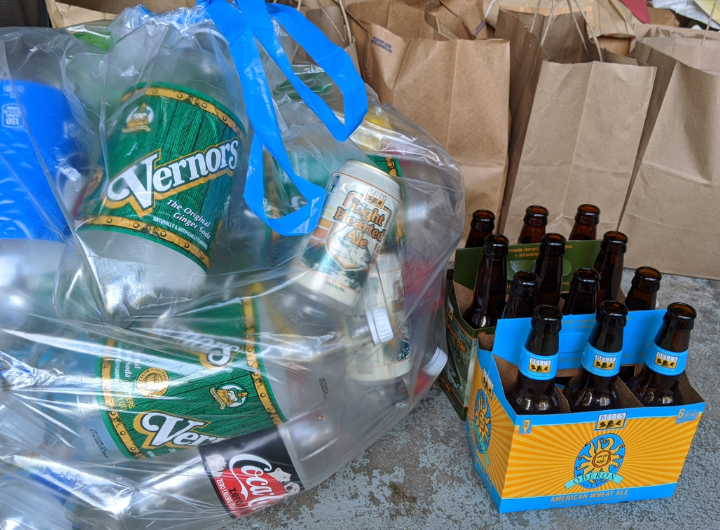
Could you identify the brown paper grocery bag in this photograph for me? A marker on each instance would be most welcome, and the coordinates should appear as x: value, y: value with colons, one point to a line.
x: 457, y: 19
x: 643, y: 31
x: 456, y: 89
x: 671, y: 216
x: 577, y: 123
x: 71, y: 12
x: 493, y: 7
x: 331, y: 21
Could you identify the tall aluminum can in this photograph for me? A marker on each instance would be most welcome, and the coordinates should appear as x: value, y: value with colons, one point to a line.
x: 361, y: 205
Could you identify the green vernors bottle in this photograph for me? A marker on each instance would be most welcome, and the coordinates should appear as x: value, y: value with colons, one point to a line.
x: 174, y: 147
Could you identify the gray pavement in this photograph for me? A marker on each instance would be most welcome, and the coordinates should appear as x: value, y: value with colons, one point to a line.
x: 420, y: 475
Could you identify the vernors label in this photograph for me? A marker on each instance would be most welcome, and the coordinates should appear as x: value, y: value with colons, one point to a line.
x: 154, y: 402
x: 171, y: 160
x: 251, y: 472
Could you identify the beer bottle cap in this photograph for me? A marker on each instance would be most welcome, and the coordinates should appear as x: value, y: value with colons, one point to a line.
x: 648, y: 276
x: 496, y: 245
x: 614, y: 242
x: 612, y: 314
x: 536, y: 215
x: 547, y: 319
x: 482, y: 216
x: 552, y: 245
x: 525, y: 283
x: 380, y: 327
x: 586, y: 280
x: 680, y: 316
x: 588, y: 214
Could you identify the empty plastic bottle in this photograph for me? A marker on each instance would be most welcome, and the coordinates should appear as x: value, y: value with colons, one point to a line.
x: 176, y: 143
x: 242, y: 367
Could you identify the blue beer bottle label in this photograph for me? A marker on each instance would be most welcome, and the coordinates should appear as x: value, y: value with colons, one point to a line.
x: 665, y: 362
x: 539, y: 367
x: 601, y: 363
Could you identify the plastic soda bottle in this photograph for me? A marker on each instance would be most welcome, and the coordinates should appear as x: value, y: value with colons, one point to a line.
x: 179, y: 383
x: 40, y: 149
x: 229, y: 479
x: 175, y: 145
x: 385, y: 289
x: 26, y: 503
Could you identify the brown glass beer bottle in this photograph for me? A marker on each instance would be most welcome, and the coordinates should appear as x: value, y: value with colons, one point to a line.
x: 549, y: 268
x: 643, y: 290
x: 481, y: 226
x: 642, y: 296
x: 490, y: 285
x: 534, y: 392
x: 582, y: 298
x: 609, y: 264
x: 594, y: 387
x: 658, y: 383
x: 586, y: 221
x: 523, y: 295
x: 534, y: 224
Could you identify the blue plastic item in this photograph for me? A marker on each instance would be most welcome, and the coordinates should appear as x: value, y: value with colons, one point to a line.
x: 241, y: 25
x: 28, y: 207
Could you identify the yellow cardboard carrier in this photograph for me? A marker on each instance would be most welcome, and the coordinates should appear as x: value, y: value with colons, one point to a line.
x: 556, y: 460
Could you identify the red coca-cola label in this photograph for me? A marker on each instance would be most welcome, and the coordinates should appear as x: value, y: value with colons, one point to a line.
x: 251, y: 472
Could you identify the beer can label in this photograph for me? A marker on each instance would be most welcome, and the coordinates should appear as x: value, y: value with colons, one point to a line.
x: 353, y: 226
x: 665, y: 362
x: 171, y: 161
x: 155, y: 402
x: 403, y: 360
x: 251, y: 472
x: 538, y: 367
x: 391, y: 166
x: 601, y: 363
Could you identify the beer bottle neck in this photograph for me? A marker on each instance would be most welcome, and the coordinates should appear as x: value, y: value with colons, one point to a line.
x: 609, y: 265
x: 531, y: 234
x: 674, y: 340
x: 520, y: 306
x: 477, y: 236
x: 606, y: 338
x: 491, y: 277
x: 547, y: 267
x: 667, y: 356
x: 491, y: 270
x: 484, y: 225
x: 544, y: 344
x: 535, y: 221
x: 583, y: 232
x: 638, y: 299
x: 608, y: 259
x: 579, y: 303
x: 587, y: 220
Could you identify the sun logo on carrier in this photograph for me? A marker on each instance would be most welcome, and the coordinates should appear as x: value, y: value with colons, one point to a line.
x: 599, y: 462
x: 481, y: 425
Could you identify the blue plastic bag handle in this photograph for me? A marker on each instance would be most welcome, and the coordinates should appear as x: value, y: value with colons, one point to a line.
x: 241, y: 25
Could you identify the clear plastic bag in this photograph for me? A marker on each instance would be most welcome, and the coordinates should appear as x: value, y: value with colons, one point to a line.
x: 146, y: 383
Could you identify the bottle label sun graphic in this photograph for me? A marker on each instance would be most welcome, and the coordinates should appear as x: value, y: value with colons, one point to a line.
x: 599, y: 462
x: 480, y: 426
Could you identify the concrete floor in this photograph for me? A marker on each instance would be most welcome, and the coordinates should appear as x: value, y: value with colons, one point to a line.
x: 420, y: 475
